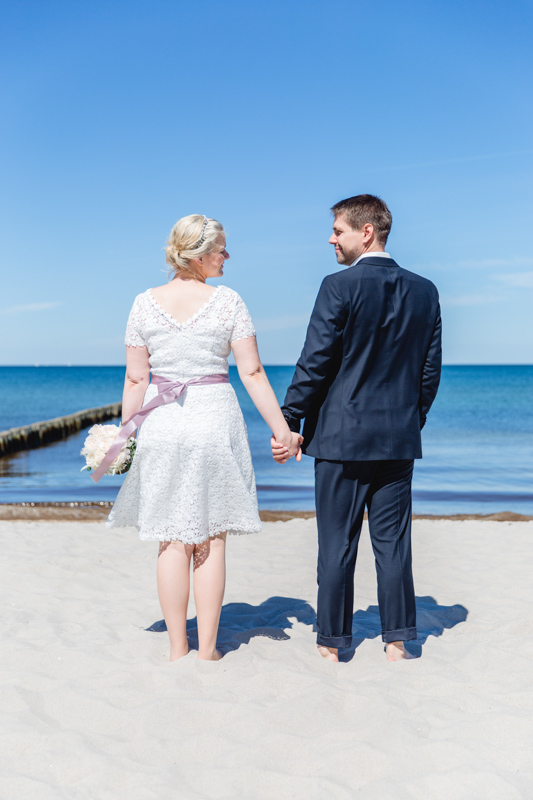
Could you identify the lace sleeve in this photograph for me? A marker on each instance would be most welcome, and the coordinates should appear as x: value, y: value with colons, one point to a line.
x: 242, y: 322
x: 134, y: 335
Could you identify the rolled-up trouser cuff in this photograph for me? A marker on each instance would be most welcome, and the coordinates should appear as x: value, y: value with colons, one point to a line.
x: 401, y: 635
x: 334, y: 641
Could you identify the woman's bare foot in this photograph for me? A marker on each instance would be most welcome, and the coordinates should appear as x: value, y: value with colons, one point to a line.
x: 395, y: 651
x: 329, y: 653
x: 178, y: 652
x: 216, y: 655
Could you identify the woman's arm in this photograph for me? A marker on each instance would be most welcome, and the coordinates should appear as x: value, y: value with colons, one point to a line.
x: 256, y: 383
x: 136, y: 381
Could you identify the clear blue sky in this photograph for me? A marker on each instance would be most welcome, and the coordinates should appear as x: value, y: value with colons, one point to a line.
x: 120, y: 117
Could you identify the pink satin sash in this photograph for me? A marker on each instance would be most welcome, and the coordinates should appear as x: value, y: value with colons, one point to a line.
x: 168, y: 391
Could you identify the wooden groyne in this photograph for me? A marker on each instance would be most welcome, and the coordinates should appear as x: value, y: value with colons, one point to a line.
x: 28, y: 437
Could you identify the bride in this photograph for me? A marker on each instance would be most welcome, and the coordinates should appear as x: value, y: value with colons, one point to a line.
x: 192, y: 481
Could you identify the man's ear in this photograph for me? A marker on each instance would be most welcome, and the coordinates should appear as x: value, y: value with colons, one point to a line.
x: 368, y: 231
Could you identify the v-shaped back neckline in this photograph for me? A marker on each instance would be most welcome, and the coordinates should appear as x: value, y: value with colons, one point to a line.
x: 188, y: 321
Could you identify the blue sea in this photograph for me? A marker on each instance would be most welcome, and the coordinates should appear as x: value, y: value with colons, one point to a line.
x: 478, y: 441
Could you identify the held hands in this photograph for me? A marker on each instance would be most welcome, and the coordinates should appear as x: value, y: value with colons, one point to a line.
x: 283, y: 450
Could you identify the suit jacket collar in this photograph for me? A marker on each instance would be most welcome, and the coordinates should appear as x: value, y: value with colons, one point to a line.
x: 376, y: 261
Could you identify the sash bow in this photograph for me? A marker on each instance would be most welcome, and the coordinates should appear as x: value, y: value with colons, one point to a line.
x: 167, y: 392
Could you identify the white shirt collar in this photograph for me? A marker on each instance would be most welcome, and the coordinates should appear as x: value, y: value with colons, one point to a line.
x: 373, y: 253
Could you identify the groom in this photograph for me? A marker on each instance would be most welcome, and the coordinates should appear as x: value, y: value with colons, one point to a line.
x: 365, y: 381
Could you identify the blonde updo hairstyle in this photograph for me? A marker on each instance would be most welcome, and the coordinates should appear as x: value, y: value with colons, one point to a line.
x: 191, y: 237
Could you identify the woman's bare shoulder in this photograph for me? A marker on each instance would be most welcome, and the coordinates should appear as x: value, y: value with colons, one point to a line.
x: 159, y: 290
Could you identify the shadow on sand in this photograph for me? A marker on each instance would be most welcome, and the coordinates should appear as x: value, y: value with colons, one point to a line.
x: 240, y: 622
x: 431, y: 620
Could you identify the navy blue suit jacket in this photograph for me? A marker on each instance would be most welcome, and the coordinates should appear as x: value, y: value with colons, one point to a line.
x: 370, y: 367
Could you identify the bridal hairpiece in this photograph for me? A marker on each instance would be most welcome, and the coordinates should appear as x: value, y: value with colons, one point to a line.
x: 202, y: 235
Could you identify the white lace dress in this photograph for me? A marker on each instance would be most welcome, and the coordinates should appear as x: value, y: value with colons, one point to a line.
x: 192, y: 474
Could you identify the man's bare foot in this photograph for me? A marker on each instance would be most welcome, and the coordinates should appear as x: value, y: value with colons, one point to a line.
x: 178, y: 652
x: 329, y: 653
x: 395, y: 651
x: 216, y: 655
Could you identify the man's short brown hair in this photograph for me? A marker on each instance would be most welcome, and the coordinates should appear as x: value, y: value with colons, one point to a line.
x: 365, y: 208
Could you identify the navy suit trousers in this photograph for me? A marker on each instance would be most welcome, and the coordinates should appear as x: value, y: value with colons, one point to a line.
x: 343, y: 490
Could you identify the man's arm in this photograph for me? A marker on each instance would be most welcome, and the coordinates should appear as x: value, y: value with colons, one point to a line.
x: 324, y: 335
x: 431, y: 371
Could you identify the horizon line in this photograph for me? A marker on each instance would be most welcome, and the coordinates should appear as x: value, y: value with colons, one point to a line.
x: 292, y: 364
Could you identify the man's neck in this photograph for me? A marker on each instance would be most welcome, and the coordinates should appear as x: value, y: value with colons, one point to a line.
x: 375, y: 248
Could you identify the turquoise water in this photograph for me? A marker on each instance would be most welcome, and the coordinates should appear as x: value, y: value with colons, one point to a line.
x: 478, y: 442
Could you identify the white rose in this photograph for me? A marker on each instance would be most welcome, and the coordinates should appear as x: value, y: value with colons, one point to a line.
x: 120, y: 460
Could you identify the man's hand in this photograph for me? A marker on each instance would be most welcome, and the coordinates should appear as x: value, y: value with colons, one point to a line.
x: 282, y: 452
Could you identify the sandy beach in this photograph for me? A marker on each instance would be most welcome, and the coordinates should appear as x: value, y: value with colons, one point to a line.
x: 91, y: 708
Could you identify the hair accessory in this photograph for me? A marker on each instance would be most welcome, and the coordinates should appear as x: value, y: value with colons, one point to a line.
x: 202, y: 235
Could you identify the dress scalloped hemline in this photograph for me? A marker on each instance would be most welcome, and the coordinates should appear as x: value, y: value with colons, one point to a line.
x: 179, y: 536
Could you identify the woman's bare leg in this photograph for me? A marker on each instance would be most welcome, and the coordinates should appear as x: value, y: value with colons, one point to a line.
x: 209, y: 582
x: 173, y: 584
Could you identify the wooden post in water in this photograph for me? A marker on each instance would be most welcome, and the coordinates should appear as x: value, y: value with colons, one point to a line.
x: 38, y: 434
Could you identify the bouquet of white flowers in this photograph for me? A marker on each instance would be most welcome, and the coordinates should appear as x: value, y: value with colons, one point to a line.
x: 98, y: 442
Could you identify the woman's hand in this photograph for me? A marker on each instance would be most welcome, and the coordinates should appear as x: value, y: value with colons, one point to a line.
x: 287, y: 448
